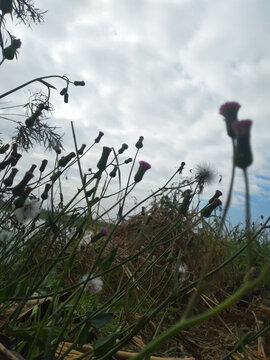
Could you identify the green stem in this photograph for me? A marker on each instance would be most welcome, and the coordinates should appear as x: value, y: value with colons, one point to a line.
x: 186, y: 323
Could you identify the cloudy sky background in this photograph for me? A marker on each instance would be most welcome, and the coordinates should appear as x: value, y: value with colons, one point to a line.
x: 160, y: 69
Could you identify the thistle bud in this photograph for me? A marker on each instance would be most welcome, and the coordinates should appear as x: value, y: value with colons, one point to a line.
x: 29, y: 122
x: 11, y: 51
x: 6, y: 6
x: 101, y: 165
x: 66, y: 96
x: 43, y: 165
x: 57, y: 149
x: 66, y: 159
x: 123, y: 148
x: 103, y: 232
x: 44, y: 195
x: 139, y: 143
x: 18, y: 190
x: 113, y: 172
x: 63, y: 91
x: 14, y: 150
x: 4, y: 148
x: 7, y: 162
x: 81, y: 150
x: 19, y: 202
x: 9, y: 180
x: 127, y: 161
x: 181, y: 168
x: 184, y: 206
x: 32, y: 168
x: 230, y: 110
x: 15, y: 159
x: 97, y: 139
x: 144, y: 166
x: 216, y: 196
x: 55, y: 176
x: 79, y: 83
x: 207, y: 210
x: 242, y: 155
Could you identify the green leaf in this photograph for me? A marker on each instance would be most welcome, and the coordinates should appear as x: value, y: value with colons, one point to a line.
x: 102, y: 346
x: 101, y: 320
x: 47, y: 84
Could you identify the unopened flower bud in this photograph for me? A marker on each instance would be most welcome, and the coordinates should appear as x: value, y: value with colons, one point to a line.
x: 79, y: 83
x: 243, y: 154
x: 32, y: 168
x: 230, y: 110
x: 113, y: 172
x: 44, y: 195
x: 139, y: 143
x: 181, y: 168
x: 29, y: 122
x: 216, y: 196
x: 18, y: 190
x: 101, y: 165
x: 4, y: 148
x: 103, y: 232
x: 6, y: 7
x: 9, y: 180
x: 14, y: 150
x: 66, y: 96
x: 81, y: 150
x: 57, y: 149
x: 66, y: 159
x: 15, y: 159
x: 144, y: 166
x: 7, y: 162
x: 19, y: 202
x: 43, y: 165
x: 127, y: 161
x: 10, y: 51
x: 207, y: 210
x: 123, y: 148
x: 97, y: 139
x: 55, y: 175
x: 63, y: 91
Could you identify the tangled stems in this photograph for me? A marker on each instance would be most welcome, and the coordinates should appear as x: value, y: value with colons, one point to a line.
x: 196, y: 294
x: 186, y: 323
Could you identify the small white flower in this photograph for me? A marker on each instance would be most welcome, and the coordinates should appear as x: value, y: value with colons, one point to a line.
x: 93, y: 286
x: 29, y: 211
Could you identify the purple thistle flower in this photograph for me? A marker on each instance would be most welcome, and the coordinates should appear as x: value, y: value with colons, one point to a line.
x: 230, y: 110
x: 104, y: 231
x: 101, y: 165
x: 144, y: 166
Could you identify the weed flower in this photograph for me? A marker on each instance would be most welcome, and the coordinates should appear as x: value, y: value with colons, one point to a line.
x: 9, y: 180
x: 103, y: 232
x: 230, y: 110
x: 144, y: 166
x: 216, y: 196
x: 204, y: 174
x: 93, y: 286
x: 207, y: 210
x: 28, y: 211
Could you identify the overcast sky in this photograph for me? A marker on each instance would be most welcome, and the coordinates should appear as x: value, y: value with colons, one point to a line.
x: 160, y: 69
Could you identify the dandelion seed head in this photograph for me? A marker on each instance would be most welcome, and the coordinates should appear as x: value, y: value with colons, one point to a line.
x: 93, y: 286
x: 29, y: 211
x: 205, y: 174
